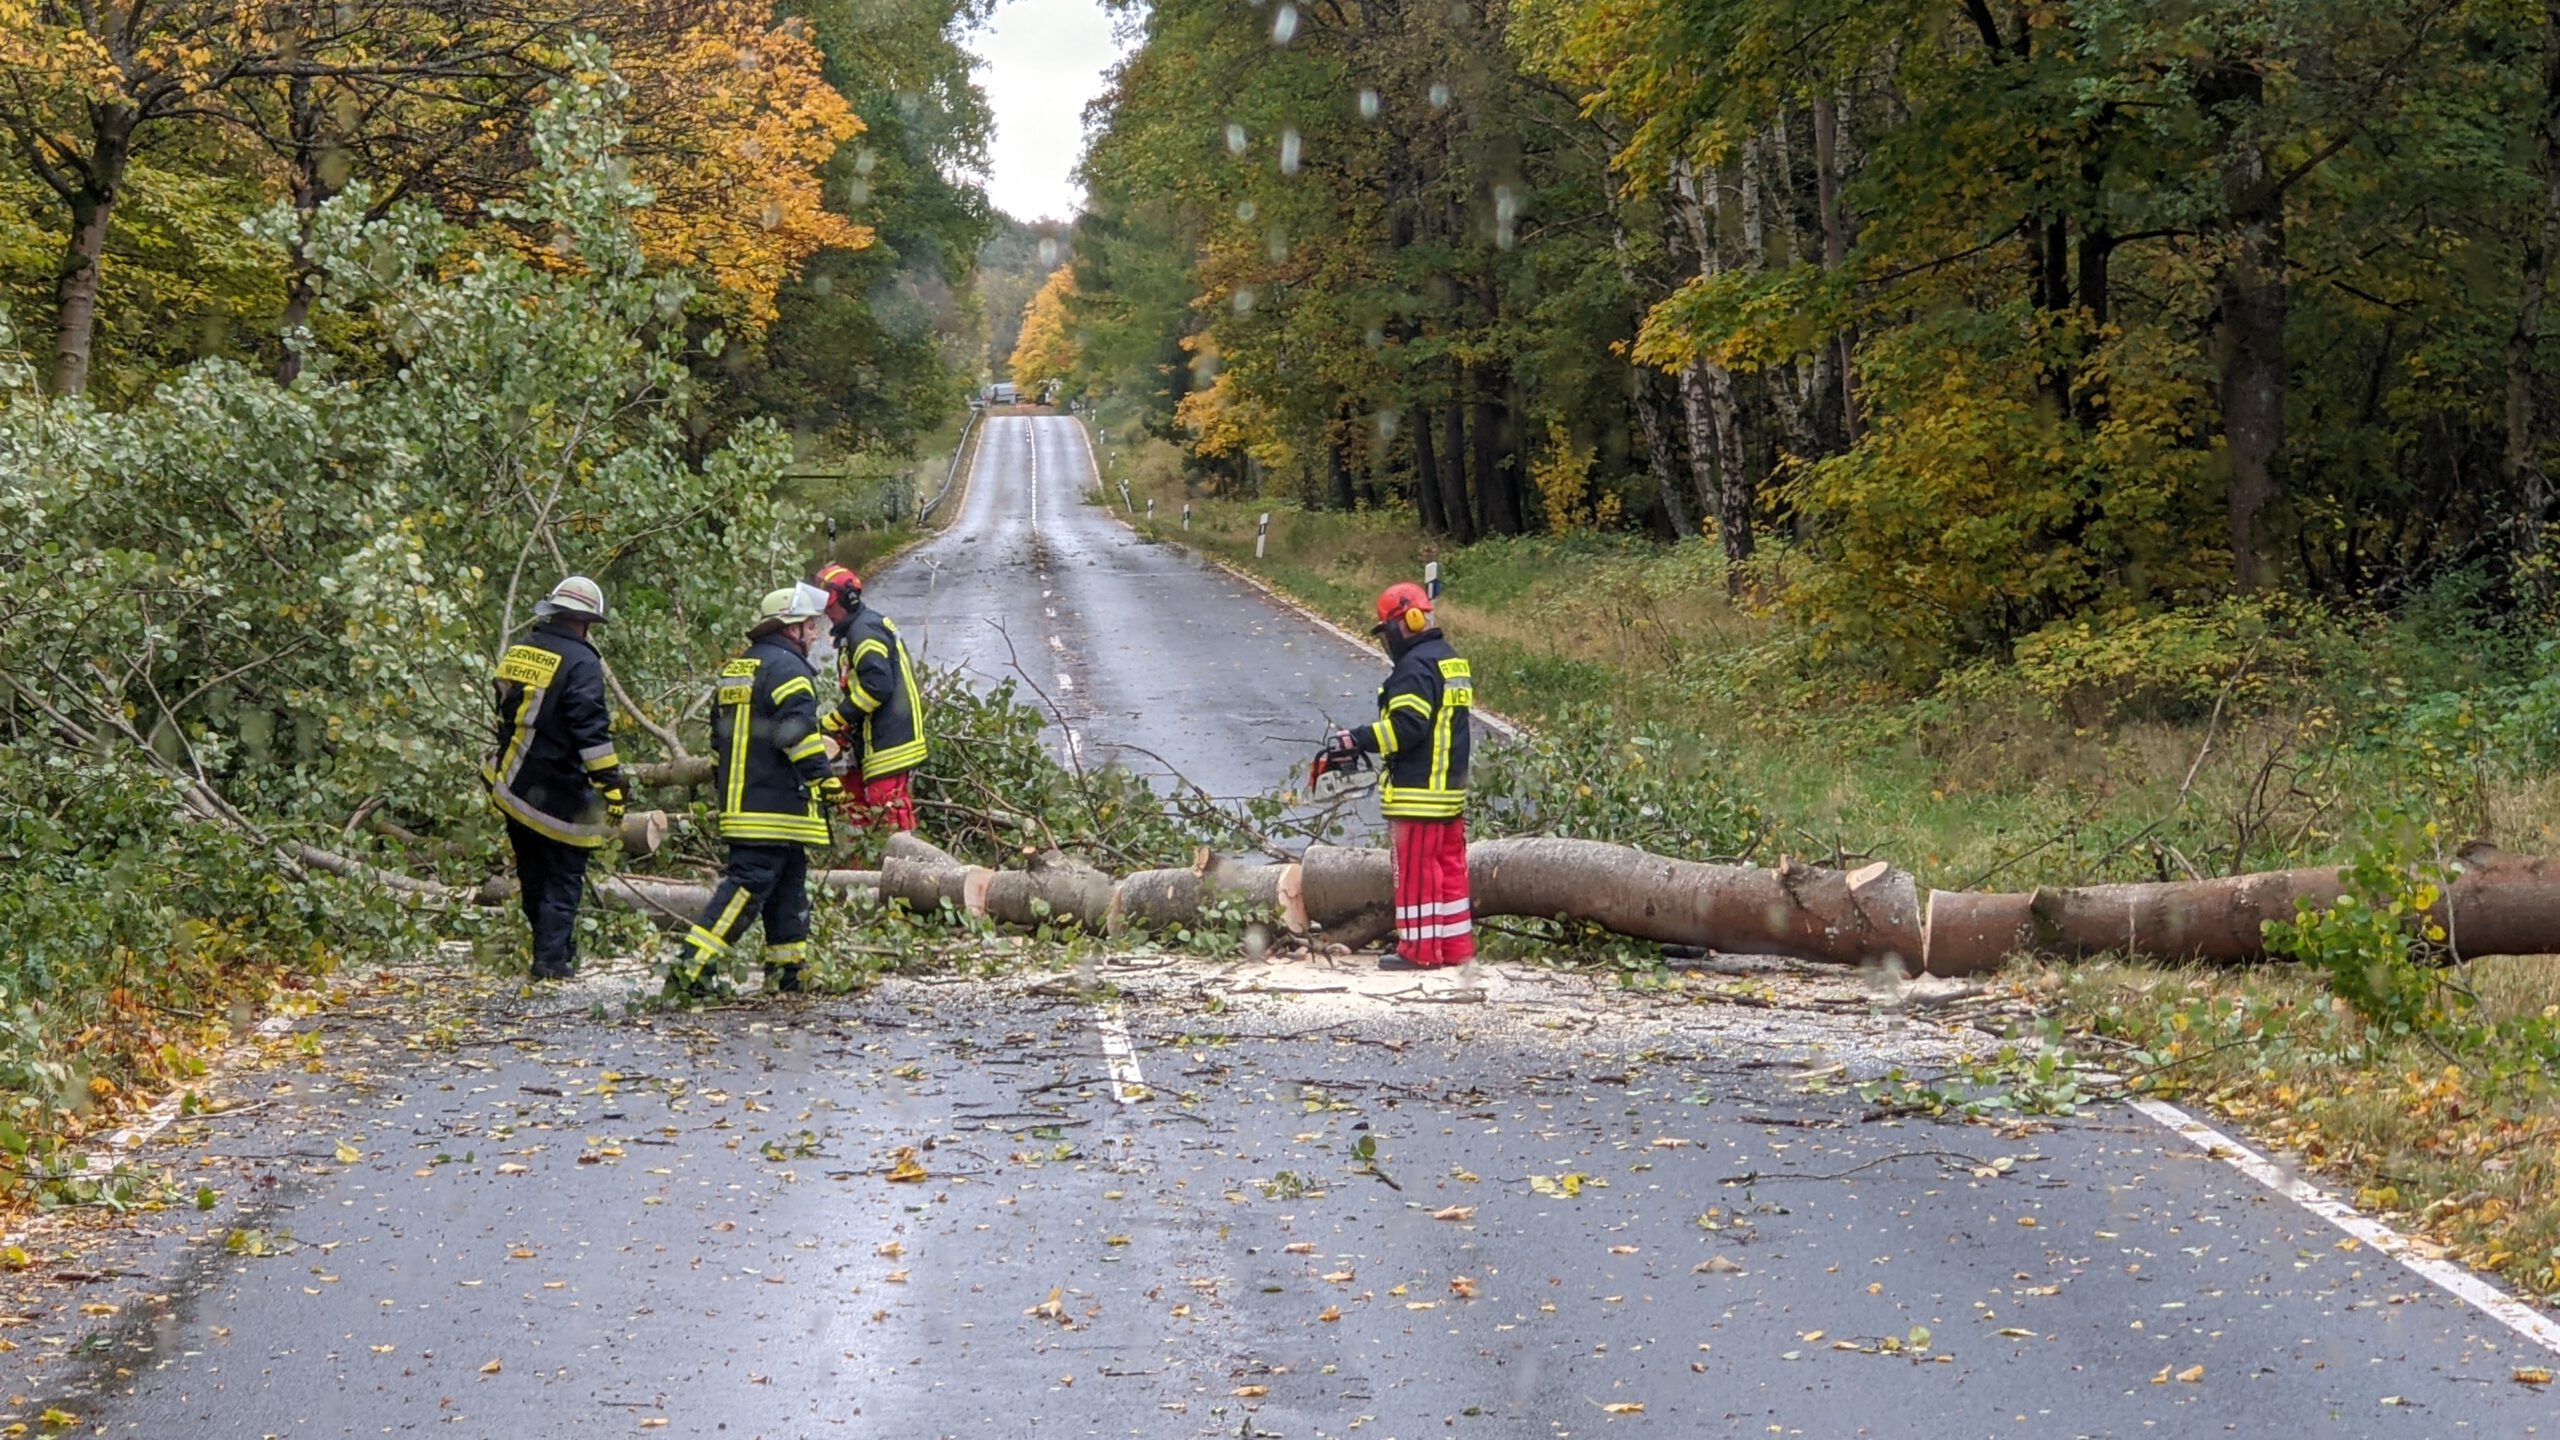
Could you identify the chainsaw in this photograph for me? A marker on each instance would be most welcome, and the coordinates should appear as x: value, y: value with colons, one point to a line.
x: 1338, y: 757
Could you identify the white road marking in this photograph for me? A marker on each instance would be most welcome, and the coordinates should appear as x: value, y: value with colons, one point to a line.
x: 1120, y: 1057
x: 1054, y: 642
x: 1066, y: 682
x: 1035, y: 491
x: 2453, y: 1279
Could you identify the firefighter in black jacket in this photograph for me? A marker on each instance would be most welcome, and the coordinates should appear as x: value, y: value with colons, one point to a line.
x: 771, y: 769
x: 553, y: 774
x: 877, y: 712
x: 1421, y: 734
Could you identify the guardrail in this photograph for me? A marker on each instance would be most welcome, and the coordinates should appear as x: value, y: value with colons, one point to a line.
x: 959, y: 452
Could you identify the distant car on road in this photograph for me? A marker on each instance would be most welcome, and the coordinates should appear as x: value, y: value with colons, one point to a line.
x: 1003, y: 393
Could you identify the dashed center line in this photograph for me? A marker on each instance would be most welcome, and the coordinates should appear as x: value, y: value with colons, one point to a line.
x: 1120, y: 1057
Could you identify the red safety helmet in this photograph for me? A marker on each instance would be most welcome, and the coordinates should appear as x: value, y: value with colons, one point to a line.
x: 1404, y: 607
x: 843, y: 587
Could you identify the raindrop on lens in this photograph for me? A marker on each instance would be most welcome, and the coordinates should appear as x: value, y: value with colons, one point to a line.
x: 1439, y: 95
x: 1368, y: 103
x: 1289, y: 145
x: 1244, y: 299
x: 1284, y: 25
x: 1235, y: 138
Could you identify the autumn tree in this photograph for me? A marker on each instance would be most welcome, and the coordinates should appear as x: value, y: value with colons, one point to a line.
x: 1045, y: 351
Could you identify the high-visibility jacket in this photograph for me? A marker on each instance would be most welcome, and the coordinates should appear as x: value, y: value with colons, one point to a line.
x: 765, y: 746
x: 553, y: 752
x: 1421, y: 732
x: 879, y: 712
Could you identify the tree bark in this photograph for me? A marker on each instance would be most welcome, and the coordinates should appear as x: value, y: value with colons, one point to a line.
x: 2250, y: 291
x: 1495, y: 501
x: 92, y: 202
x: 1835, y: 249
x: 2522, y: 460
x: 1453, y: 470
x: 1661, y: 455
x: 1426, y: 473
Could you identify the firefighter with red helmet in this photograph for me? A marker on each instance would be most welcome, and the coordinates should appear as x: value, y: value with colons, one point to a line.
x: 878, y: 713
x: 1421, y: 738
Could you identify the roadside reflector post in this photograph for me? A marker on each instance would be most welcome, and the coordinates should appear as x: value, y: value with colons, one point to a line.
x: 1124, y: 496
x: 1262, y: 535
x: 1151, y: 509
x: 1431, y: 579
x: 1186, y: 514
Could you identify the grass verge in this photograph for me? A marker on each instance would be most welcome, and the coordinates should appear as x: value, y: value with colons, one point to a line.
x: 2004, y: 780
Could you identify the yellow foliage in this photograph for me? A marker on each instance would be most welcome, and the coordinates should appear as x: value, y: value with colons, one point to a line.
x: 1562, y: 477
x: 1046, y: 349
x: 732, y: 122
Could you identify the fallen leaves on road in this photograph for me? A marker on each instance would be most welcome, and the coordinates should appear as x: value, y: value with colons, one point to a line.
x: 1459, y: 1213
x: 2533, y: 1375
x: 1053, y: 1308
x: 1250, y: 1392
x: 1624, y: 1407
x: 1716, y: 1265
x: 1462, y: 1286
x: 1567, y: 1185
x: 906, y: 1169
x: 493, y: 1367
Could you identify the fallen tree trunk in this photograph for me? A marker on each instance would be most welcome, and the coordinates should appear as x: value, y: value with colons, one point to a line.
x: 2497, y: 905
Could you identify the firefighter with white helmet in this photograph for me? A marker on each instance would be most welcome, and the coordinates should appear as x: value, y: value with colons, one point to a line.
x: 553, y: 774
x: 774, y: 782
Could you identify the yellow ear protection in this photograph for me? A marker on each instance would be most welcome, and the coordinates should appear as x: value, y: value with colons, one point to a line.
x: 1416, y: 620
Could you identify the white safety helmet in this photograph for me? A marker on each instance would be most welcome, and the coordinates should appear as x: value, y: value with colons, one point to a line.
x: 791, y: 605
x: 576, y: 595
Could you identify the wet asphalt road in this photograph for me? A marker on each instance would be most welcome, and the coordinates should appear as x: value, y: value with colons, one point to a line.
x: 556, y: 1226
x: 558, y: 1220
x: 1141, y: 652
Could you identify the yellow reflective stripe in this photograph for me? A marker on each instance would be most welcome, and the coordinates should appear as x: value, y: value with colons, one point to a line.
x: 893, y: 759
x: 915, y: 697
x: 796, y: 685
x: 1409, y: 702
x: 862, y: 700
x: 739, y: 726
x: 727, y: 924
x: 704, y: 943
x: 788, y: 952
x: 601, y: 757
x: 833, y: 722
x: 1413, y: 802
x: 798, y: 829
x: 1385, y: 733
x: 528, y: 705
x: 869, y: 647
x: 809, y: 745
x: 1440, y: 748
x: 1455, y: 670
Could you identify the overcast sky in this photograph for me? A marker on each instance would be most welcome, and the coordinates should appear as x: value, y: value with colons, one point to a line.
x: 1043, y: 60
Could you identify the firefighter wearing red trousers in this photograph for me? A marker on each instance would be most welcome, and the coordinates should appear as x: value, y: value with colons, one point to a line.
x: 1421, y: 738
x: 878, y: 714
x: 771, y: 769
x: 553, y: 774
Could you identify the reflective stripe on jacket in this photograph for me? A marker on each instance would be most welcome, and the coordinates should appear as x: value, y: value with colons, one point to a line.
x: 553, y: 738
x: 879, y: 708
x: 765, y: 746
x: 1422, y: 733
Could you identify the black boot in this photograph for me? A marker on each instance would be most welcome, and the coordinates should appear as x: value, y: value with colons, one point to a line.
x: 782, y: 979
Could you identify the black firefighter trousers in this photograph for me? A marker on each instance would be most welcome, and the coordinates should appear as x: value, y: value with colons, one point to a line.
x: 552, y: 878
